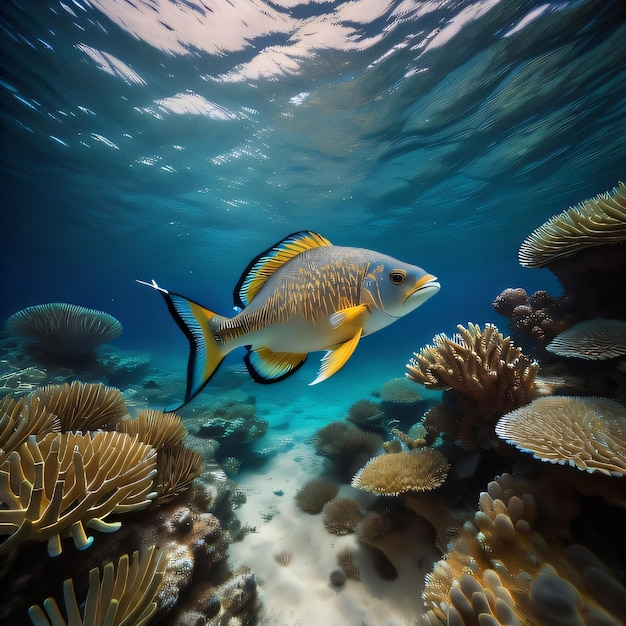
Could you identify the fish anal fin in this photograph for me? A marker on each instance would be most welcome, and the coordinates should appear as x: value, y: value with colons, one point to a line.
x: 351, y: 315
x: 334, y: 360
x: 267, y: 366
x: 264, y: 265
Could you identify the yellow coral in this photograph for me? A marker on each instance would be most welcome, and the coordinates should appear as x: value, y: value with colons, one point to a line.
x: 66, y: 482
x: 159, y: 429
x: 393, y: 474
x: 122, y: 597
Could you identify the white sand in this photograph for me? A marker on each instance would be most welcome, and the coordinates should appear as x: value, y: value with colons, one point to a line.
x: 301, y: 593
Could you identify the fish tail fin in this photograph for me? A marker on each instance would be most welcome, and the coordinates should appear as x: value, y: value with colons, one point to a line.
x: 205, y: 353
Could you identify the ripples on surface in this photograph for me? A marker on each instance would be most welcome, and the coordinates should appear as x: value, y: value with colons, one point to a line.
x: 384, y: 124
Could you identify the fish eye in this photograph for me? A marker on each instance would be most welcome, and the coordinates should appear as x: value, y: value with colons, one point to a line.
x: 397, y: 277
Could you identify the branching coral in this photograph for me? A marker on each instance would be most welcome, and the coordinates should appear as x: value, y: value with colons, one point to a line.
x: 66, y: 482
x: 64, y: 329
x: 123, y: 596
x: 493, y: 572
x: 83, y: 406
x: 393, y: 474
x: 488, y: 374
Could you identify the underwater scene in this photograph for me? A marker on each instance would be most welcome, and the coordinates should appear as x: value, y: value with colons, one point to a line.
x: 313, y: 313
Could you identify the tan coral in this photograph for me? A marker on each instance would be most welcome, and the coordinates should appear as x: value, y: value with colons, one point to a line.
x: 20, y: 418
x: 487, y: 372
x: 586, y: 433
x: 159, y: 429
x: 315, y: 493
x: 597, y: 221
x: 491, y: 573
x: 66, y: 482
x: 122, y: 596
x: 341, y: 515
x: 596, y: 340
x: 64, y: 329
x: 393, y: 474
x: 177, y: 467
x: 83, y: 406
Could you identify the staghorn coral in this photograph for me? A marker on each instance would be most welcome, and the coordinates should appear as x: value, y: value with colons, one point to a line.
x: 341, y: 515
x: 486, y: 372
x: 586, y: 433
x: 314, y: 494
x: 64, y: 329
x: 65, y: 482
x: 20, y: 418
x: 393, y: 474
x: 492, y: 572
x: 595, y: 340
x: 83, y: 406
x: 124, y: 596
x: 594, y: 222
x: 159, y: 429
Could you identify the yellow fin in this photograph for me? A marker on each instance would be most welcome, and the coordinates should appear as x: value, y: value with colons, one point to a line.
x: 263, y: 266
x: 266, y: 366
x: 334, y: 360
x: 349, y: 315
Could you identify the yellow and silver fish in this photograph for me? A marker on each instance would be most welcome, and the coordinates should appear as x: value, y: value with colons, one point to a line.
x: 302, y: 295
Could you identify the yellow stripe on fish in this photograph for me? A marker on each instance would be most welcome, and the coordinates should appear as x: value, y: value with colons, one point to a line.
x: 301, y: 295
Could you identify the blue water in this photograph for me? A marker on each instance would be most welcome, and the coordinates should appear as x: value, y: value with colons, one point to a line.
x: 176, y: 140
x: 163, y: 140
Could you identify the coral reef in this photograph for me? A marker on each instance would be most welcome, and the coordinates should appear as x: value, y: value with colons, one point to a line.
x: 596, y: 340
x: 66, y: 481
x: 500, y: 570
x: 599, y: 221
x: 346, y: 446
x: 233, y: 423
x: 488, y: 375
x: 393, y: 474
x: 64, y: 329
x: 315, y: 493
x: 587, y: 433
x: 341, y: 515
x: 125, y: 595
x: 539, y: 316
x: 83, y: 406
x: 585, y: 248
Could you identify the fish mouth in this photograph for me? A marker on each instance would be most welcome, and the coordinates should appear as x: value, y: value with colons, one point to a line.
x: 425, y: 285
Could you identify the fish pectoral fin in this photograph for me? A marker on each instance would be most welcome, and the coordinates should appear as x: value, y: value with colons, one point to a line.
x: 353, y: 314
x: 334, y: 360
x: 266, y: 366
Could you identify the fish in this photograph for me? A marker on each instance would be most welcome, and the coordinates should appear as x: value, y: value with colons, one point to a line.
x: 302, y: 295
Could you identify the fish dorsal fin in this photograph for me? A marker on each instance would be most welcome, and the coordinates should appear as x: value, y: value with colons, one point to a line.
x: 334, y: 360
x: 266, y: 366
x: 263, y: 266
